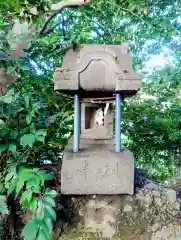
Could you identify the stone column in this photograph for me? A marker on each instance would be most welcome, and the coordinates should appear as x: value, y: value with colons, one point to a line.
x: 118, y: 123
x: 77, y: 110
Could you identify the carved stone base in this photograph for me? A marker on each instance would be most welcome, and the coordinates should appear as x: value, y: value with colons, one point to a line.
x: 97, y: 169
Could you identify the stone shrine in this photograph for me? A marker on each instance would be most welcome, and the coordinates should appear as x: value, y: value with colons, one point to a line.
x: 97, y: 76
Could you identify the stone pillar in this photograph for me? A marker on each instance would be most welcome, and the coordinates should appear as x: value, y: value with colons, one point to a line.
x: 76, y: 141
x: 118, y: 123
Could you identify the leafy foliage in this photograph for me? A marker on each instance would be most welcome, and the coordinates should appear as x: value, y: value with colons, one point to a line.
x: 30, y: 184
x: 3, y: 210
x: 36, y: 122
x: 3, y: 205
x: 33, y: 124
x: 152, y: 125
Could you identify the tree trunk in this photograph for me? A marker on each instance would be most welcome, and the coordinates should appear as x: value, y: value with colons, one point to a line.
x: 5, y: 80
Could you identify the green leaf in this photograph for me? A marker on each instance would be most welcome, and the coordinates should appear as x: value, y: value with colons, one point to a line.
x: 8, y: 97
x: 20, y: 184
x: 49, y: 224
x: 11, y: 69
x: 27, y: 101
x: 46, y: 228
x: 24, y: 67
x: 34, y: 182
x: 3, y: 205
x: 32, y: 128
x: 49, y: 201
x: 50, y: 212
x: 12, y: 147
x: 12, y: 187
x: 25, y: 204
x: 26, y: 173
x: 4, y: 132
x: 2, y: 122
x: 42, y: 235
x: 30, y: 230
x: 33, y: 204
x: 40, y: 138
x: 28, y: 140
x: 3, y: 147
x: 14, y: 134
x: 41, y: 132
x: 42, y: 179
x: 51, y: 193
x: 20, y: 109
x: 29, y: 118
x: 27, y: 195
x: 9, y: 176
x: 16, y: 74
x: 49, y: 176
x: 36, y: 189
x: 40, y: 214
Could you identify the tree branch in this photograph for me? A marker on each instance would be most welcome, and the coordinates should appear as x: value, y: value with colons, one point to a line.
x: 69, y: 3
x: 58, y: 7
x: 64, y: 49
x: 21, y: 46
x: 49, y: 30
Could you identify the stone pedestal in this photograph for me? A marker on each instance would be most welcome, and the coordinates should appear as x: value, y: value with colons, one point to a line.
x: 97, y: 169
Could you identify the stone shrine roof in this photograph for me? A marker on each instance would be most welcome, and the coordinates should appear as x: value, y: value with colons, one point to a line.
x: 97, y: 70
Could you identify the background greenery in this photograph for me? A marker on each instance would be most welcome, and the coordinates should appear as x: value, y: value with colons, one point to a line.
x: 36, y: 122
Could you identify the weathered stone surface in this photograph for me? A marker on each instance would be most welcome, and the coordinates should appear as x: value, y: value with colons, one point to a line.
x: 158, y: 201
x: 97, y: 68
x: 101, y: 215
x: 174, y: 205
x: 127, y: 208
x: 148, y: 199
x: 144, y: 199
x: 97, y: 170
x: 170, y: 195
x: 70, y: 84
x: 130, y: 217
x: 155, y: 227
x: 151, y: 186
x: 172, y: 232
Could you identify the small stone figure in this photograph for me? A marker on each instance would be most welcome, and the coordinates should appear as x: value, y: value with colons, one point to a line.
x: 99, y: 117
